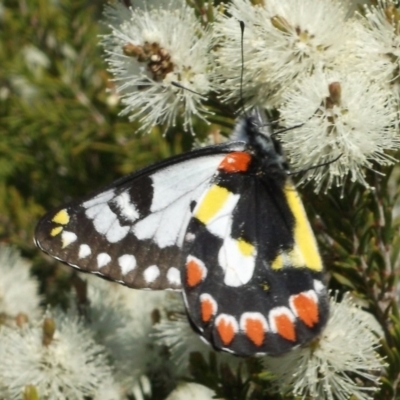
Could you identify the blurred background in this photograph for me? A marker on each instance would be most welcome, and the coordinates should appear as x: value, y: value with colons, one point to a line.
x: 60, y: 134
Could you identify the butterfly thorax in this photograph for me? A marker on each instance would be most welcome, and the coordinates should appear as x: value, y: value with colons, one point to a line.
x: 267, y: 158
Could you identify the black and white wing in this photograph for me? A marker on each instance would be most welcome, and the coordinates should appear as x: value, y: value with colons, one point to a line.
x: 133, y: 230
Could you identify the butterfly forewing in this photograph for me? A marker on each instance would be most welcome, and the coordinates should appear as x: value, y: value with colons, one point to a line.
x: 132, y: 232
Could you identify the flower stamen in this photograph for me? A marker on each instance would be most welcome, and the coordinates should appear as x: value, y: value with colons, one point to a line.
x: 157, y: 58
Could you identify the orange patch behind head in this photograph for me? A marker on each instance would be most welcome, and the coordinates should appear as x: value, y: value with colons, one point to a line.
x: 235, y: 162
x: 306, y: 309
x: 195, y: 272
x: 285, y: 327
x: 254, y: 330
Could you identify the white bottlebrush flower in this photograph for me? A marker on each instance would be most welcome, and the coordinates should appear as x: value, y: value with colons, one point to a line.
x: 57, y: 356
x: 345, y: 122
x: 355, y: 5
x: 142, y: 389
x: 181, y: 341
x: 108, y: 390
x: 192, y: 391
x: 376, y: 42
x: 148, y: 50
x: 118, y: 331
x: 376, y: 48
x: 18, y: 290
x: 116, y: 9
x: 114, y: 328
x: 334, y: 366
x: 175, y: 332
x: 121, y: 320
x: 283, y: 42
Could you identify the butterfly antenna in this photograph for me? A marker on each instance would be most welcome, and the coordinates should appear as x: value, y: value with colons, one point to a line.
x: 242, y: 69
x: 177, y: 84
x: 283, y: 130
x: 314, y: 166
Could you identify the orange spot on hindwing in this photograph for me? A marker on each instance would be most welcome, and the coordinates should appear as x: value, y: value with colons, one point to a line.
x: 254, y: 325
x: 208, y: 307
x: 195, y: 271
x: 306, y: 308
x: 227, y: 327
x: 282, y: 323
x: 285, y: 327
x: 235, y: 162
x: 254, y: 331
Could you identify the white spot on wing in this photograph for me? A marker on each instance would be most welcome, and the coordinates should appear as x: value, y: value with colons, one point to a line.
x: 205, y: 297
x: 175, y: 187
x: 116, y: 232
x: 221, y: 221
x: 95, y: 210
x: 67, y: 238
x: 238, y: 268
x: 174, y: 276
x: 227, y: 320
x: 127, y: 262
x: 167, y: 227
x: 219, y: 226
x: 190, y: 237
x: 103, y: 259
x: 252, y: 316
x: 198, y: 265
x: 84, y: 251
x: 106, y: 222
x: 178, y: 180
x: 318, y: 286
x: 151, y: 273
x: 99, y: 199
x: 127, y: 209
x: 147, y: 228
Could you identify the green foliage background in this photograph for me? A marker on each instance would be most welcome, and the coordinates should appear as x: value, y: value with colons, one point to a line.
x: 61, y: 137
x: 60, y: 134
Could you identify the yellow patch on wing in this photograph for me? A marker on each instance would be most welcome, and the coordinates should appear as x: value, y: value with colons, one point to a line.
x: 305, y: 243
x: 56, y: 231
x: 62, y: 217
x: 212, y: 202
x: 246, y: 248
x: 277, y: 263
x: 296, y: 258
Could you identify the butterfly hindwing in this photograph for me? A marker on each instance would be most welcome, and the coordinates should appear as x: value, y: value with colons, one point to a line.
x: 132, y: 231
x: 253, y: 276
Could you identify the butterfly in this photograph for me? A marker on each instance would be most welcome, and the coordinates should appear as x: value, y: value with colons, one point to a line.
x: 224, y: 224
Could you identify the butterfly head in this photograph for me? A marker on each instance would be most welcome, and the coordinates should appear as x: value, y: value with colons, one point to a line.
x: 256, y: 131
